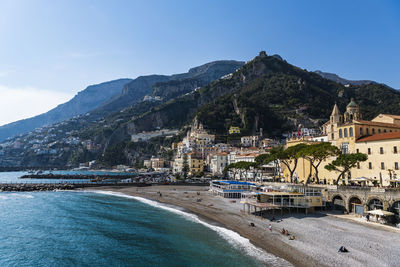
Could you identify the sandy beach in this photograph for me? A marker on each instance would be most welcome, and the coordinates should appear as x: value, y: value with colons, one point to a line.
x: 318, y: 236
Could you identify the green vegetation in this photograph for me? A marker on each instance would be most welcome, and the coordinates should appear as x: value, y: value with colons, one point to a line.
x: 344, y: 162
x: 185, y: 168
x: 316, y: 154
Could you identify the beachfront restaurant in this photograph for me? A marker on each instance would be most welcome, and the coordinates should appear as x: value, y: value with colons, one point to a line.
x: 230, y: 189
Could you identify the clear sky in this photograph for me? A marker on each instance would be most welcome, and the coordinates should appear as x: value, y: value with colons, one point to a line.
x: 50, y: 50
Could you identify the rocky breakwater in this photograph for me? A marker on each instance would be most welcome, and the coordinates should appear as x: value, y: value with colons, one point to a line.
x: 35, y: 187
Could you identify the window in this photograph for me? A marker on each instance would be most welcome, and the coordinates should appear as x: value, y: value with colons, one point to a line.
x: 381, y: 150
x: 395, y: 149
x: 384, y: 131
x: 340, y: 133
x: 382, y: 165
x: 358, y: 150
x: 345, y: 132
x: 369, y: 151
x: 396, y: 165
x: 367, y: 131
x: 345, y: 148
x: 361, y: 131
x: 369, y: 165
x: 373, y: 130
x: 358, y: 165
x: 333, y: 136
x: 379, y: 130
x: 351, y: 132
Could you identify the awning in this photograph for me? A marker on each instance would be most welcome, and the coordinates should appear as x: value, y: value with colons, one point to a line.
x: 361, y: 179
x: 381, y: 212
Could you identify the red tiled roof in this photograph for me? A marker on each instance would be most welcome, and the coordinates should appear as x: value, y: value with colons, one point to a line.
x: 378, y: 137
x: 374, y: 123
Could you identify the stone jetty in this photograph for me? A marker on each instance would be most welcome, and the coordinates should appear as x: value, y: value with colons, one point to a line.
x: 20, y: 187
x: 35, y: 187
x: 76, y: 176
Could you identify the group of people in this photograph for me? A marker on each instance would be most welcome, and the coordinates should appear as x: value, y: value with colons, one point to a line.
x: 286, y: 232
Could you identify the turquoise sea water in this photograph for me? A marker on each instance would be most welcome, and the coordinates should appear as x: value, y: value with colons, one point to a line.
x: 103, y: 229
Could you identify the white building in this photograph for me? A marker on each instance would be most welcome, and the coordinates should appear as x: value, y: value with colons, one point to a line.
x: 249, y: 140
x: 218, y: 163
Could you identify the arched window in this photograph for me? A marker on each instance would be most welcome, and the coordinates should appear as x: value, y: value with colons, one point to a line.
x: 345, y: 132
x: 351, y: 132
x: 373, y: 130
x: 379, y: 130
x: 367, y: 131
x: 361, y: 131
x: 384, y: 131
x: 340, y: 133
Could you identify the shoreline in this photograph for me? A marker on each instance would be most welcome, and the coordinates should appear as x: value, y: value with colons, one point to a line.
x: 296, y: 258
x: 318, y: 237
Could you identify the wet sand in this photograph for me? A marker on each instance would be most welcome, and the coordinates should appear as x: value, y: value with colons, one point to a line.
x: 318, y: 237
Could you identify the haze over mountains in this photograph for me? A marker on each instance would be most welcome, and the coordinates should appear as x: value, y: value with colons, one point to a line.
x: 86, y: 100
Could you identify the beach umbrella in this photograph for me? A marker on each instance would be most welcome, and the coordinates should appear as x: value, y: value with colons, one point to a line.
x: 381, y: 212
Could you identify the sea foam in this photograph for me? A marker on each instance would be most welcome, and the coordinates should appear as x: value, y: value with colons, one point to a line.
x: 236, y: 240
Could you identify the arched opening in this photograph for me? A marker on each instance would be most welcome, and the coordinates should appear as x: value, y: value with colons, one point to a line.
x: 338, y: 203
x: 375, y: 204
x: 355, y: 205
x: 395, y: 208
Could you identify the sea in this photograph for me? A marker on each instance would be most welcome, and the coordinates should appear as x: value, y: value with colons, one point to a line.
x: 99, y: 228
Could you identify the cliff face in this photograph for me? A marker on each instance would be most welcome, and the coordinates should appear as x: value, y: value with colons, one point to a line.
x: 85, y: 101
x: 168, y: 86
x: 196, y: 77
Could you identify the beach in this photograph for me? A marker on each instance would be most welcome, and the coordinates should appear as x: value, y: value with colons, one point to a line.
x: 317, y: 236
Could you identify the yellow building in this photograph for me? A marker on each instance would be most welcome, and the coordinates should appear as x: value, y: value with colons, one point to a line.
x: 378, y: 138
x: 234, y: 130
x: 196, y: 164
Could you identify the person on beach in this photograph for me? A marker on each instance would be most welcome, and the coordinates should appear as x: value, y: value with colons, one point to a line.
x: 270, y: 228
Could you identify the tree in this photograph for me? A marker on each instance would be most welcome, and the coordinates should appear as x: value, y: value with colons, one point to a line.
x: 267, y: 158
x: 317, y: 153
x: 230, y: 167
x: 345, y: 162
x: 185, y: 167
x: 240, y: 166
x: 289, y: 157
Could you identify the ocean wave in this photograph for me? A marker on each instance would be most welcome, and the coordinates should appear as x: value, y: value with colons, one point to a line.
x: 15, y: 195
x: 21, y: 195
x: 236, y: 240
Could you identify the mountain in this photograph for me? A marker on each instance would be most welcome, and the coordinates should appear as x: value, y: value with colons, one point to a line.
x: 168, y: 86
x: 338, y: 79
x: 88, y: 99
x: 61, y: 143
x: 266, y: 93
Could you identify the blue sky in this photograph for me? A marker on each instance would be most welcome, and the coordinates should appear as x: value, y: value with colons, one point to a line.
x: 50, y: 50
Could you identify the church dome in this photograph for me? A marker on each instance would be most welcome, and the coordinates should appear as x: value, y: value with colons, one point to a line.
x: 352, y: 104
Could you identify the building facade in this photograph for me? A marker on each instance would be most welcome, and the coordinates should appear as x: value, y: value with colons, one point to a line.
x: 378, y: 138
